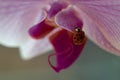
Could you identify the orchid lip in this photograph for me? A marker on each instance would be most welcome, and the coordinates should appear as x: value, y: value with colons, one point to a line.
x: 66, y: 51
x: 68, y: 42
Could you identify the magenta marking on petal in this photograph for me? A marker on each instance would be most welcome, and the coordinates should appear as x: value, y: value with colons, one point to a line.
x: 40, y: 30
x: 66, y: 51
x: 69, y: 19
x: 56, y: 7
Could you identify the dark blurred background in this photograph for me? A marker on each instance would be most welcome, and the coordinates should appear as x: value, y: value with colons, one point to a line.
x: 93, y: 64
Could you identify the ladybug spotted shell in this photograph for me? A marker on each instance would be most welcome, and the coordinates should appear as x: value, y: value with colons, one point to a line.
x: 78, y: 36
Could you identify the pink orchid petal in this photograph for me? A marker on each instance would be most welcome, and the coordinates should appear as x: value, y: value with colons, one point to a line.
x: 66, y: 51
x: 97, y: 36
x: 15, y: 19
x: 33, y: 48
x: 102, y: 22
x: 69, y: 19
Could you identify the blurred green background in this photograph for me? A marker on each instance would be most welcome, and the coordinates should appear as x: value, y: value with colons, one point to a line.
x: 93, y: 64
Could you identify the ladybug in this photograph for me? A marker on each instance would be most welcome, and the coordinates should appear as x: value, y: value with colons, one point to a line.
x: 78, y: 36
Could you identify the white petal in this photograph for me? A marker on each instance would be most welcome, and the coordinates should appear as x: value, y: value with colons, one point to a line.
x: 34, y: 48
x: 15, y: 19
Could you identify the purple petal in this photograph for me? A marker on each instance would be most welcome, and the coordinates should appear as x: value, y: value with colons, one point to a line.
x: 40, y: 30
x: 66, y: 51
x: 56, y: 6
x: 102, y: 21
x: 69, y: 19
x: 16, y: 17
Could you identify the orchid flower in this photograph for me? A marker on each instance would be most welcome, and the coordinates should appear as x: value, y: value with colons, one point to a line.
x: 38, y: 26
